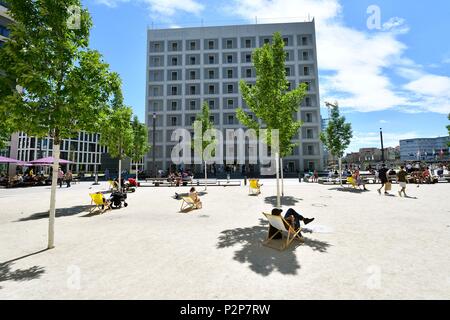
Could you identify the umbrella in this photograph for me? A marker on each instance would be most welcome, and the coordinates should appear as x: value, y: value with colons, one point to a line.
x: 49, y: 160
x: 8, y: 160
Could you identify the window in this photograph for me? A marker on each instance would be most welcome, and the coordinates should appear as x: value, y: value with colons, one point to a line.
x: 310, y: 150
x: 266, y: 40
x: 192, y: 90
x: 155, y: 106
x: 305, y: 55
x: 308, y: 101
x: 211, y: 59
x: 248, y: 58
x: 230, y: 119
x: 229, y: 44
x: 174, y: 121
x: 230, y: 74
x: 174, y: 61
x: 157, y: 61
x: 309, y: 117
x: 174, y: 105
x: 175, y: 46
x: 192, y: 45
x: 211, y: 89
x: 230, y: 103
x: 192, y: 75
x: 192, y: 60
x: 230, y: 88
x: 306, y: 71
x: 211, y: 104
x: 248, y: 43
x: 192, y: 104
x: 309, y: 134
x: 211, y: 74
x: 229, y: 58
x: 174, y: 75
x: 286, y: 41
x: 288, y: 71
x: 304, y: 41
x: 192, y: 119
x: 308, y: 86
x: 288, y: 56
x: 211, y: 118
x: 174, y: 91
x: 156, y: 91
x: 248, y: 73
x: 210, y: 44
x: 157, y: 47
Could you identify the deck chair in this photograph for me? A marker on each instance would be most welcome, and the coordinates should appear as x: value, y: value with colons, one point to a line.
x: 97, y: 202
x: 254, y: 187
x: 280, y: 224
x: 187, y: 203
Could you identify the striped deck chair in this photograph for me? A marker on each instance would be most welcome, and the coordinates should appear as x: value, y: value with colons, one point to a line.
x: 280, y: 224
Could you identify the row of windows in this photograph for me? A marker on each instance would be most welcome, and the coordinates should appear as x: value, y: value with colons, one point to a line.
x: 209, y: 89
x: 213, y: 58
x: 227, y: 73
x: 227, y: 43
x: 195, y: 104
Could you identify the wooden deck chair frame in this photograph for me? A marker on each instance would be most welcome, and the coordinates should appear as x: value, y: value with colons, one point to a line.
x: 279, y: 223
x: 97, y: 204
x: 187, y: 203
x: 253, y: 185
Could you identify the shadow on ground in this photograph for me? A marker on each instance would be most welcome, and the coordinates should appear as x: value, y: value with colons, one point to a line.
x: 351, y: 190
x: 6, y: 274
x: 285, y: 201
x: 180, y: 195
x: 261, y: 259
x: 63, y: 212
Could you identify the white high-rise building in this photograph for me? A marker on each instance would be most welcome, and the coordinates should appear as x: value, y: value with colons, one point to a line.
x: 189, y: 66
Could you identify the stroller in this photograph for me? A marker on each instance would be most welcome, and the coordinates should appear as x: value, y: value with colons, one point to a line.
x: 117, y: 198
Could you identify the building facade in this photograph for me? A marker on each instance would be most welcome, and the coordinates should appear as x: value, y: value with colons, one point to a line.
x: 187, y: 67
x: 5, y: 21
x: 425, y: 149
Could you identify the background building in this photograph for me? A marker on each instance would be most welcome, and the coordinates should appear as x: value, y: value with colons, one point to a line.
x: 425, y: 149
x: 5, y: 21
x: 189, y: 66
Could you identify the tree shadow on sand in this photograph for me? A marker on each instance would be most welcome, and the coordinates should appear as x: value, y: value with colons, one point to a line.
x: 285, y: 201
x: 261, y: 259
x: 6, y: 274
x: 63, y: 212
x: 348, y: 189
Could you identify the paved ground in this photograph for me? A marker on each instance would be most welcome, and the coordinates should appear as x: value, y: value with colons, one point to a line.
x: 361, y: 246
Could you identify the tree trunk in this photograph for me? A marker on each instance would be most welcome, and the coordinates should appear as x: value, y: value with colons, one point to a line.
x: 120, y: 174
x: 277, y: 167
x: 137, y: 173
x: 340, y: 171
x: 206, y: 176
x: 52, y: 212
x: 282, y: 177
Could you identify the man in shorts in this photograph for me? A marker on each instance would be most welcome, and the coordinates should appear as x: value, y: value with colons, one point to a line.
x: 401, y: 178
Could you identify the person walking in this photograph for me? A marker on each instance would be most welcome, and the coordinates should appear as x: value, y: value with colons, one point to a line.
x: 382, y: 175
x: 401, y: 178
x: 60, y: 177
x: 69, y: 178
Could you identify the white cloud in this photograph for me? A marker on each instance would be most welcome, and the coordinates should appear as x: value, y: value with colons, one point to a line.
x: 384, y: 121
x: 355, y: 62
x: 163, y: 9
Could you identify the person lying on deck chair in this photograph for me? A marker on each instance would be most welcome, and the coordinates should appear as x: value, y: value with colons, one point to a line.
x: 194, y: 196
x: 292, y: 217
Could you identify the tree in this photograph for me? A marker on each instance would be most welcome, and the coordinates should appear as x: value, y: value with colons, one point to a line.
x: 140, y: 142
x: 271, y: 99
x: 201, y: 125
x: 117, y: 134
x: 337, y: 136
x: 66, y: 86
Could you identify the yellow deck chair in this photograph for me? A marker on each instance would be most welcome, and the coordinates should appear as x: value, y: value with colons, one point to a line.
x: 351, y: 181
x: 279, y: 223
x: 187, y: 203
x: 97, y: 202
x: 254, y: 187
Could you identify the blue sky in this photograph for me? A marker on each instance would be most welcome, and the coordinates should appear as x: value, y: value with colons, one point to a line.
x: 393, y: 73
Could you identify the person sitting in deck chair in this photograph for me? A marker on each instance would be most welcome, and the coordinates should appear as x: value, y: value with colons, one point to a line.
x: 194, y: 196
x: 292, y: 217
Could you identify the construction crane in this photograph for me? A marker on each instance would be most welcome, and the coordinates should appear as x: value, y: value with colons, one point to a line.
x: 329, y: 106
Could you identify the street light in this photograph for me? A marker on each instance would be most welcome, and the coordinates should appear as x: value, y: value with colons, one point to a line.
x: 154, y: 140
x: 382, y: 146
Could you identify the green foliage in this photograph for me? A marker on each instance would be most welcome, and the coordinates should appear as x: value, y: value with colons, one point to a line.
x: 140, y: 140
x: 67, y: 86
x: 338, y: 134
x: 269, y: 99
x: 203, y: 119
x: 117, y: 132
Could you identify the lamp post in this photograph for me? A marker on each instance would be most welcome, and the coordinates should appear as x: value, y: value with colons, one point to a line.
x: 154, y: 140
x: 382, y: 146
